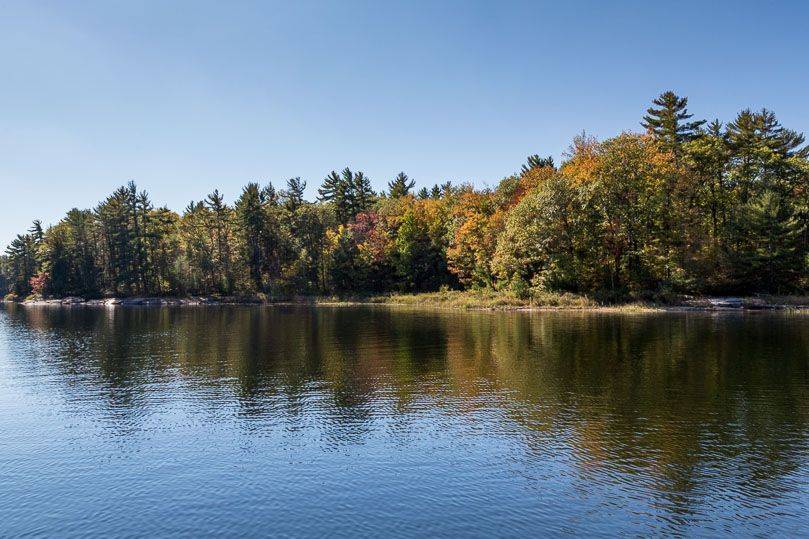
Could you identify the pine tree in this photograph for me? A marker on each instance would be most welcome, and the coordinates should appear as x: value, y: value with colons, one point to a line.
x: 347, y: 199
x: 220, y: 226
x: 363, y: 195
x: 338, y: 190
x: 36, y: 231
x: 535, y: 161
x: 293, y: 196
x: 22, y: 262
x: 763, y: 154
x: 669, y: 122
x: 82, y: 231
x: 772, y: 259
x: 332, y: 185
x: 251, y: 227
x: 400, y: 185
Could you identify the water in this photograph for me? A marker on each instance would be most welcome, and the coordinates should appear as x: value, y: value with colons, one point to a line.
x: 295, y: 421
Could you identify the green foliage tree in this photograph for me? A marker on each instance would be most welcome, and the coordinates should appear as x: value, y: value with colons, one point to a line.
x: 547, y: 241
x: 400, y: 186
x: 253, y: 231
x: 686, y: 207
x: 293, y: 195
x: 69, y: 256
x: 22, y: 263
x: 670, y: 122
x: 535, y: 161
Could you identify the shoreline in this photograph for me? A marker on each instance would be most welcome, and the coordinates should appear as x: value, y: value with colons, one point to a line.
x: 451, y: 300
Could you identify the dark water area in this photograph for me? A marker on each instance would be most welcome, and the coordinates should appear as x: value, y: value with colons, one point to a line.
x: 378, y: 421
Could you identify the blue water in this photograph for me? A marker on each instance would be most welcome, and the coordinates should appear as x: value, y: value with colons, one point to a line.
x: 374, y: 421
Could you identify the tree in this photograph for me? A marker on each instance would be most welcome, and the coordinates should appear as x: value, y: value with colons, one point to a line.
x: 252, y: 230
x: 535, y: 161
x: 708, y: 158
x: 69, y: 256
x: 547, y: 239
x: 331, y: 188
x: 338, y: 190
x: 768, y: 174
x: 293, y: 195
x: 220, y: 226
x: 770, y: 258
x: 22, y: 263
x: 4, y: 275
x: 118, y: 249
x: 420, y: 246
x: 400, y: 185
x: 473, y: 238
x: 308, y: 270
x: 669, y: 122
x: 685, y: 207
x: 362, y: 195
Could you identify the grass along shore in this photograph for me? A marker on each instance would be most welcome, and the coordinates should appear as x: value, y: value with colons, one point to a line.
x: 494, y: 300
x: 488, y: 300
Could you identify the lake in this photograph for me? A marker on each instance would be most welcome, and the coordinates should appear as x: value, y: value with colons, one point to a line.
x: 382, y: 421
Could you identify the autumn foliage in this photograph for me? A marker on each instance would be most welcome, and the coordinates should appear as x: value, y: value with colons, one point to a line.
x: 682, y: 207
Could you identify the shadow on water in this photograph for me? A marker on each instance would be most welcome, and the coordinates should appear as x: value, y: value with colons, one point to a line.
x: 680, y: 405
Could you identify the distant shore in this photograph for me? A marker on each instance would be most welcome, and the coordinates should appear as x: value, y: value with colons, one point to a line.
x: 454, y: 300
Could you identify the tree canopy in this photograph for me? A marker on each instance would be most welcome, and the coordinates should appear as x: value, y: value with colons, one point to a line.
x: 684, y: 207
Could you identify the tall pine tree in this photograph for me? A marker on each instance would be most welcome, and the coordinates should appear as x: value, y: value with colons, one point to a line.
x: 400, y: 185
x: 669, y: 123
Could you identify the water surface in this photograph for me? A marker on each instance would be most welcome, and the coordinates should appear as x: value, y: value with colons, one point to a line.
x: 377, y: 421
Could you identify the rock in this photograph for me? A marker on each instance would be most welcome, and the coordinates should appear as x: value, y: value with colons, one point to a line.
x: 726, y: 303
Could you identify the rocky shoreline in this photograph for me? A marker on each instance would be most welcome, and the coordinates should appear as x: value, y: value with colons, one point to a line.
x: 688, y: 304
x: 142, y: 301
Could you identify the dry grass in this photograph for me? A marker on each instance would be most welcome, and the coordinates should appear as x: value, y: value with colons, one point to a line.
x: 493, y: 300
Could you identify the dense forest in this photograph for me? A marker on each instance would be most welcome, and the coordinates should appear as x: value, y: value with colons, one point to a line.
x: 685, y: 206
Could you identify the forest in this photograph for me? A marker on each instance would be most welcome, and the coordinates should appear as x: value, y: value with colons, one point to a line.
x: 680, y: 206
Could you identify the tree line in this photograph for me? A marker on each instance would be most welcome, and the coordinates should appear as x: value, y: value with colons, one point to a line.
x: 684, y: 206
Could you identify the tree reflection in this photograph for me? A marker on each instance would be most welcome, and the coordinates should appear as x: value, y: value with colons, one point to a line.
x: 674, y: 400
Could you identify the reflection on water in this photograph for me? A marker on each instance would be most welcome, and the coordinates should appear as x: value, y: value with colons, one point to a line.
x: 378, y: 421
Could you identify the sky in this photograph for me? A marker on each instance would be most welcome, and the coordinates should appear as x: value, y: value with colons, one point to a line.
x: 187, y: 97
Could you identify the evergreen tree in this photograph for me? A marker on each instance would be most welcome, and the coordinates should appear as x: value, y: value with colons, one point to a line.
x: 690, y: 208
x: 113, y: 217
x: 252, y: 229
x: 400, y: 185
x: 22, y: 263
x: 669, y: 122
x: 763, y: 154
x: 198, y: 245
x: 708, y: 158
x: 535, y: 161
x: 771, y: 259
x: 36, y: 231
x: 293, y: 196
x: 68, y: 254
x: 362, y: 194
x: 331, y: 188
x: 337, y: 189
x: 220, y: 226
x: 4, y: 275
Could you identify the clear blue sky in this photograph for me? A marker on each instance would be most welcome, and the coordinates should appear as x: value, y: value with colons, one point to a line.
x: 185, y: 97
